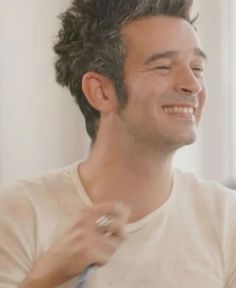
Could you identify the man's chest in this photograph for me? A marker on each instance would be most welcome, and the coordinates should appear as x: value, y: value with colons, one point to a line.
x: 160, y: 265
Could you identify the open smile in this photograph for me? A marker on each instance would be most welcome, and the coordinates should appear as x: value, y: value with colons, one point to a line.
x: 180, y: 111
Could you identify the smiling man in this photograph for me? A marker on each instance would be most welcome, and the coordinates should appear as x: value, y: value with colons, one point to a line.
x: 124, y: 216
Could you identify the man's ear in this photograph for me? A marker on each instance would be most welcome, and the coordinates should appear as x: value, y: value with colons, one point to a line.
x: 99, y: 91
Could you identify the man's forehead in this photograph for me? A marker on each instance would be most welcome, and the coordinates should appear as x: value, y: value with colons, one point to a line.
x: 161, y: 34
x: 195, y: 51
x: 157, y: 22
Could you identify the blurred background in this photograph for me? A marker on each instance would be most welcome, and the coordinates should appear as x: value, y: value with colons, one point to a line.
x: 41, y: 127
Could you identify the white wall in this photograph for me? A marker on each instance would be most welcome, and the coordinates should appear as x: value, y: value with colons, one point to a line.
x: 40, y: 127
x: 212, y: 157
x: 232, y: 90
x: 214, y: 27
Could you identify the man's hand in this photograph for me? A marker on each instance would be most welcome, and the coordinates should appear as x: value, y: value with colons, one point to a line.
x: 82, y: 245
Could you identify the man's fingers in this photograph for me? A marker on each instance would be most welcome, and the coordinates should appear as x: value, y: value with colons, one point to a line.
x: 116, y: 228
x: 105, y: 248
x: 114, y: 211
x: 122, y: 210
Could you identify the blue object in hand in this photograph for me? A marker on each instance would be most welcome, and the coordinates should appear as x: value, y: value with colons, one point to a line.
x: 84, y: 276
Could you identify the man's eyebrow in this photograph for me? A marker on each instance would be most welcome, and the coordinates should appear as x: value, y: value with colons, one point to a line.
x: 171, y: 54
x: 200, y: 53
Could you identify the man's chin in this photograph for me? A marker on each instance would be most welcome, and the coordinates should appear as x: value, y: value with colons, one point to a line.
x: 190, y: 140
x: 183, y: 142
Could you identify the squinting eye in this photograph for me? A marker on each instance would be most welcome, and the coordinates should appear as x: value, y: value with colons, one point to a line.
x: 199, y: 69
x: 162, y: 67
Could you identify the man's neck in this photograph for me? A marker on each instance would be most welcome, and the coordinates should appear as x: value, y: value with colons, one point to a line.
x: 140, y: 181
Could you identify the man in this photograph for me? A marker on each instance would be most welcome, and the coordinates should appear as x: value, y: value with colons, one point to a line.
x: 136, y: 69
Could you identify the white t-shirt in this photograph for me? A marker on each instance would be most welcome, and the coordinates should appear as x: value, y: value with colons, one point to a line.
x: 189, y: 242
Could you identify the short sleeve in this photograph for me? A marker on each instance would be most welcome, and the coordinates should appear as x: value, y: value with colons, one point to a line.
x: 17, y: 236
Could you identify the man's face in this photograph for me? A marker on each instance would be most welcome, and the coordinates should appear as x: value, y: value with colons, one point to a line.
x: 165, y: 81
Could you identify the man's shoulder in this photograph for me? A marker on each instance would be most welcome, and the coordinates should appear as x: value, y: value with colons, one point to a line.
x: 44, y: 183
x: 189, y: 178
x: 205, y: 190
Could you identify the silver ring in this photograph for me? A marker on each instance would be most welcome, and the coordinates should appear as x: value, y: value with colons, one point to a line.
x: 103, y: 223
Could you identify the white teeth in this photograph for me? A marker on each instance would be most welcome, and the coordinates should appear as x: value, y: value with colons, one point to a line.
x: 177, y: 109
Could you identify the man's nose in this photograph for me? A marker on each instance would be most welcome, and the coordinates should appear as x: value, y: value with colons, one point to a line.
x: 187, y: 82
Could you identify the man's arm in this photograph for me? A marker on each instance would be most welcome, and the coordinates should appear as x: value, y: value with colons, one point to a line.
x: 81, y: 245
x: 17, y: 236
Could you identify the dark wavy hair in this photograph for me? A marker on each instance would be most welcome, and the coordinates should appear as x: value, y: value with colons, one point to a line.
x: 90, y: 40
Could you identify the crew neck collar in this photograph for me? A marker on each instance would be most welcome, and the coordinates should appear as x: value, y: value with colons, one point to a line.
x: 131, y: 227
